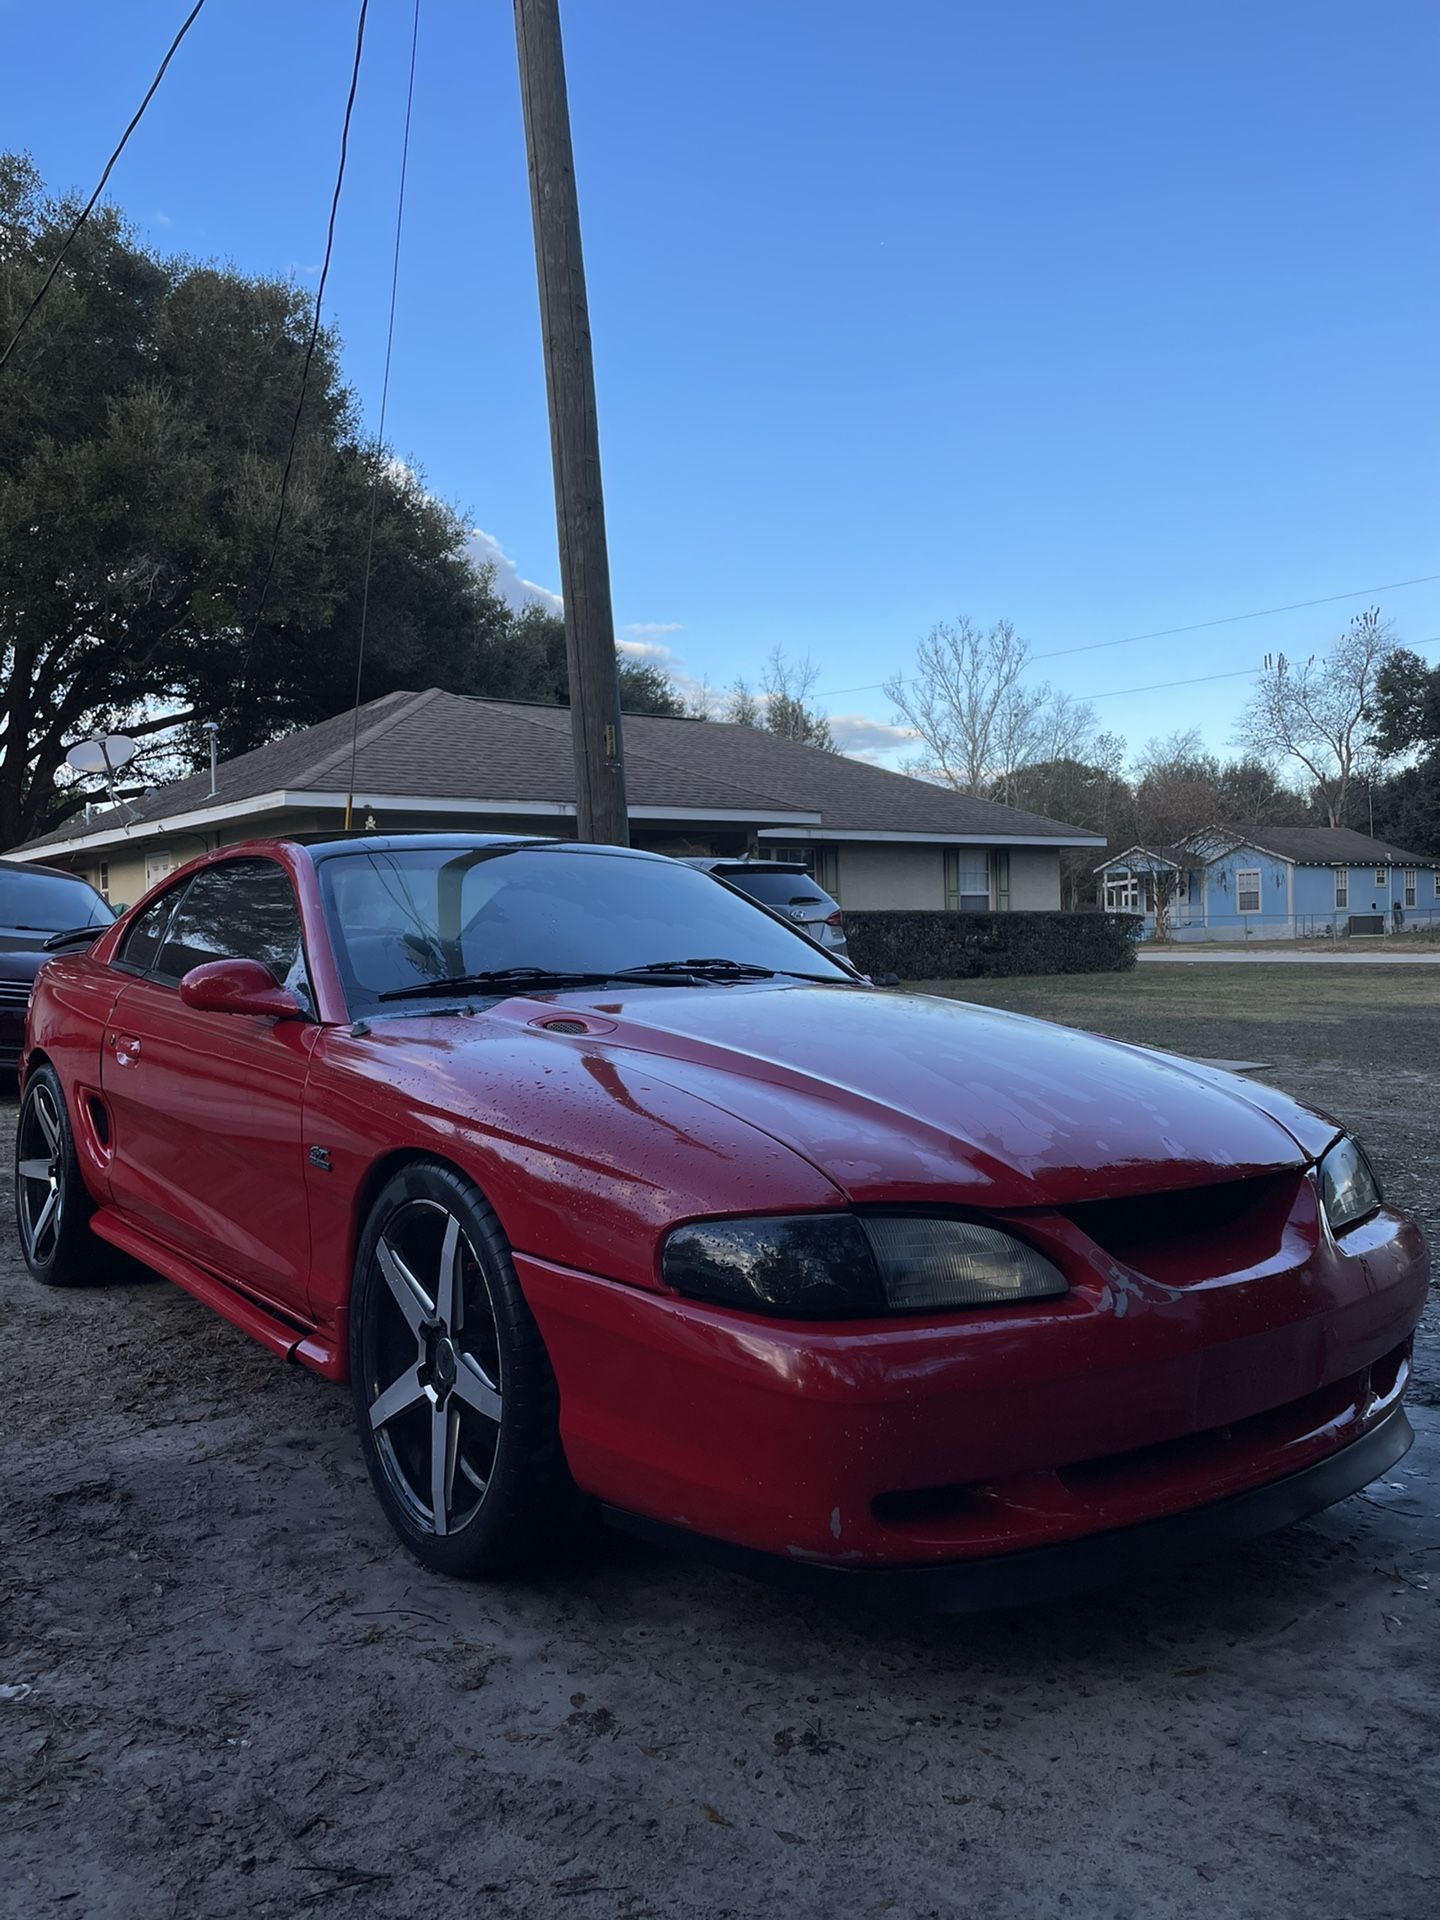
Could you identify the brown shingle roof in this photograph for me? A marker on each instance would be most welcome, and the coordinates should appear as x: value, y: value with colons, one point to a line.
x: 1335, y: 847
x: 446, y: 746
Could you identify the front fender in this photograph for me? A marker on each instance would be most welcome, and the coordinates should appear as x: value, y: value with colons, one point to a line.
x: 587, y: 1159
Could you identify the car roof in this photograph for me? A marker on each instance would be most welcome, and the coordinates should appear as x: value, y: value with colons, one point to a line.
x: 322, y: 844
x: 53, y: 873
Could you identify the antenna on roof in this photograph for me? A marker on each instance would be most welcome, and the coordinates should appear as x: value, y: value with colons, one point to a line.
x: 104, y: 753
x: 380, y: 425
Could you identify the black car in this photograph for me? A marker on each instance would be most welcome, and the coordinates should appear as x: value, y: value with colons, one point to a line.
x: 36, y: 904
x: 787, y: 888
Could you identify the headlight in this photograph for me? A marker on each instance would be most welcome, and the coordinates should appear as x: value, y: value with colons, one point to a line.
x: 1348, y: 1187
x: 836, y: 1266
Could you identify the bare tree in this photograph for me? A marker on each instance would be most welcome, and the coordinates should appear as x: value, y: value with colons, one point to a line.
x: 1317, y: 711
x: 787, y: 687
x: 962, y: 678
x: 1065, y: 729
x: 1174, y: 793
x: 1174, y: 789
x: 979, y: 720
x: 740, y: 707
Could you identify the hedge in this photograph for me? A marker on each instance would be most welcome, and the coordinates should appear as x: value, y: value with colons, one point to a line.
x: 964, y: 946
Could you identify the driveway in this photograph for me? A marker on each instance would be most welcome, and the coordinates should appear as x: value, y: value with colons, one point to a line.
x: 225, y: 1691
x: 1306, y: 956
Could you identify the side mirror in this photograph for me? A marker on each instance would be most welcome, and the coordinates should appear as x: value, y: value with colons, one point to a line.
x: 237, y: 986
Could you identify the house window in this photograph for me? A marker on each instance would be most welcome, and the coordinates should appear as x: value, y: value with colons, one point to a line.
x: 967, y: 880
x: 1382, y: 876
x: 821, y: 863
x: 1411, y: 879
x: 1122, y: 891
x: 1342, y: 890
x: 1247, y: 890
x: 102, y: 880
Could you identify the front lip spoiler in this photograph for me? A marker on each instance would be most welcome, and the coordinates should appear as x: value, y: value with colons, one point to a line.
x: 1072, y: 1566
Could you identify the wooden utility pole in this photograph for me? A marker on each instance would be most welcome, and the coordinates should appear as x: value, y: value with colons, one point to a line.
x: 574, y: 430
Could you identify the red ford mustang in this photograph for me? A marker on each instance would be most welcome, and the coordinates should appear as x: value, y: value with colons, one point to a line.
x: 594, y: 1178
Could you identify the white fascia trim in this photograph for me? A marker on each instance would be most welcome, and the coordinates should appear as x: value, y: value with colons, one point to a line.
x: 136, y: 832
x: 945, y: 839
x: 284, y: 801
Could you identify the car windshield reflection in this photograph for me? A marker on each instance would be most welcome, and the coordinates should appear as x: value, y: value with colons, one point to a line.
x: 422, y: 922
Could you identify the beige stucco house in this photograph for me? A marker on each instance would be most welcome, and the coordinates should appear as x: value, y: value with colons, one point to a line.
x: 872, y: 838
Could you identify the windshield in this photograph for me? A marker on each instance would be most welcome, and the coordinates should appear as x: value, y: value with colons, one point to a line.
x: 404, y: 916
x: 49, y: 902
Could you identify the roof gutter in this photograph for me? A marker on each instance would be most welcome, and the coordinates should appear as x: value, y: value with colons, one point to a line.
x: 885, y: 836
x: 285, y: 800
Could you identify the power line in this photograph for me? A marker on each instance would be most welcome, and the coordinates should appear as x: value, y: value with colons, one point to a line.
x: 1231, y: 619
x: 1198, y: 626
x: 89, y: 206
x: 1200, y: 680
x: 314, y: 332
x: 384, y: 402
x: 1157, y: 686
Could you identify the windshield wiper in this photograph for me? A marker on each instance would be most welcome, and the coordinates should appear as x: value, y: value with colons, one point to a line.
x: 719, y: 969
x: 68, y: 936
x: 496, y: 977
x: 716, y: 969
x: 658, y: 973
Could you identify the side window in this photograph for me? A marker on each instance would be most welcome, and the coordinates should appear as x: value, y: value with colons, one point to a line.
x: 141, y: 944
x: 241, y: 910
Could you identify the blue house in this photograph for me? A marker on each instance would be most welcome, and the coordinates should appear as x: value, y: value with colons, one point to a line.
x: 1282, y: 883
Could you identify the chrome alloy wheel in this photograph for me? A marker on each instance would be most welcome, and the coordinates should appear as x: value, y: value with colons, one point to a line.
x: 40, y: 1173
x: 433, y: 1367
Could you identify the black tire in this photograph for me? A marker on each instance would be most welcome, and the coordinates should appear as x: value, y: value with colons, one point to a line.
x: 52, y: 1205
x: 473, y: 1388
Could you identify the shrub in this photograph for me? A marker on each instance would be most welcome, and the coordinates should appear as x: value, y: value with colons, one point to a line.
x: 965, y: 946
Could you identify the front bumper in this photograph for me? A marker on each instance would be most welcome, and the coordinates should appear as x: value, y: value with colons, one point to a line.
x: 1074, y: 1566
x: 906, y: 1445
x: 12, y: 1035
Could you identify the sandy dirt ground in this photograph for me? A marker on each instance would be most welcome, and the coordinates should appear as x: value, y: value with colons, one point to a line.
x: 225, y: 1691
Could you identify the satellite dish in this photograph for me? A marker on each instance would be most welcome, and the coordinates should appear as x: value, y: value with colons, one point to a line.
x: 104, y: 754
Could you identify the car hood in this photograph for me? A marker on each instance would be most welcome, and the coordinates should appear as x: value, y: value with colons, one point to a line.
x: 21, y: 963
x: 897, y: 1096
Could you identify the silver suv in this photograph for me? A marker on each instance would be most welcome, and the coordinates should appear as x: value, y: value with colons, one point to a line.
x: 786, y: 888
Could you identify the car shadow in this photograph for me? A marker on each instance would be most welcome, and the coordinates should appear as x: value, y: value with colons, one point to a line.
x: 1304, y: 1582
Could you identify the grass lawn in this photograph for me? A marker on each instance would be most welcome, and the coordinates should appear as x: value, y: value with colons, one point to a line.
x: 1363, y: 1043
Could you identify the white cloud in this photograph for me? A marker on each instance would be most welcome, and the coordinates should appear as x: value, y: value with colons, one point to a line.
x: 513, y: 588
x: 862, y: 738
x: 653, y: 650
x: 646, y: 642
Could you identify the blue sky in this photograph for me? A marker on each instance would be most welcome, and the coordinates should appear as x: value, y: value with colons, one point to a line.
x: 1107, y: 318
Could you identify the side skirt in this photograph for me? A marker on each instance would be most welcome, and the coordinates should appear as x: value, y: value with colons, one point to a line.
x: 276, y: 1334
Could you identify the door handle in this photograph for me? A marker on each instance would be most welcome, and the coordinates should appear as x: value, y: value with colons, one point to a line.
x: 125, y: 1047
